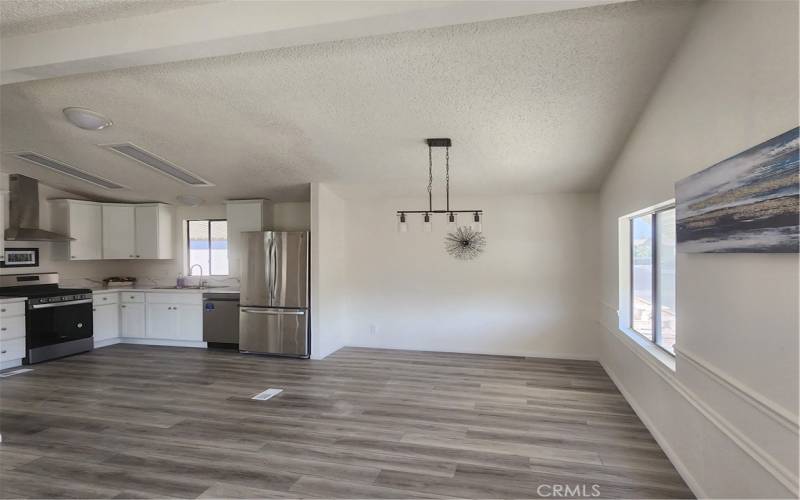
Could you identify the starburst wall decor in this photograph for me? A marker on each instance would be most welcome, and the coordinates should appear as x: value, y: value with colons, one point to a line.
x: 464, y: 243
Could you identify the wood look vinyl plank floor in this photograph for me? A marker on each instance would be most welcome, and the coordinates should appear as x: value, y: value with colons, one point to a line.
x: 131, y: 421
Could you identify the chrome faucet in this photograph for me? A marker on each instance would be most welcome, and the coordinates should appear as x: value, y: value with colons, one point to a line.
x: 203, y: 283
x: 192, y: 268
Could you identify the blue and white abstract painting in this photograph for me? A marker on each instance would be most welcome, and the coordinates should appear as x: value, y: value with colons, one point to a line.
x: 749, y: 203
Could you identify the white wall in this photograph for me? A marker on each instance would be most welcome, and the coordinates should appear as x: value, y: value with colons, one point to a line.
x: 291, y: 216
x: 329, y: 288
x: 532, y: 293
x: 728, y: 415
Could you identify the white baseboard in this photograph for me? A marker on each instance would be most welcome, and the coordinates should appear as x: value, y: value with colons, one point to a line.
x: 326, y: 354
x: 12, y: 363
x: 518, y: 354
x: 162, y: 342
x: 106, y: 342
x: 786, y: 477
x: 684, y: 472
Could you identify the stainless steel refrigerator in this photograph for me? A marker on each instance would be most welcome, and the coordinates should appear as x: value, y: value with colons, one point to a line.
x: 274, y: 298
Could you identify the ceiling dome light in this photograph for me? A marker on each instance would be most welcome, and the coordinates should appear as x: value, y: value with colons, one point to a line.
x: 86, y: 118
x: 190, y: 200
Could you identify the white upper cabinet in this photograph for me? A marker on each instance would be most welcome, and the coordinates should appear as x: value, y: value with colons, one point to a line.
x: 137, y: 231
x: 154, y: 231
x: 244, y: 215
x: 119, y: 231
x: 81, y: 220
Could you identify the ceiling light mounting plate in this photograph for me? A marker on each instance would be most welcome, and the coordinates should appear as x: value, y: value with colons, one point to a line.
x: 442, y: 142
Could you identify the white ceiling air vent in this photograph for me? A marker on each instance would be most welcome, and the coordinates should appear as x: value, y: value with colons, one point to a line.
x: 156, y: 163
x: 63, y: 168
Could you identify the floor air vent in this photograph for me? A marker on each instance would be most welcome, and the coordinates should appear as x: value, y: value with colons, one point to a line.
x: 136, y: 153
x: 263, y: 396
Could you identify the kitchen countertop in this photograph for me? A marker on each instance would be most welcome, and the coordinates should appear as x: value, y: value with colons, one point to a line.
x: 11, y: 300
x: 151, y: 289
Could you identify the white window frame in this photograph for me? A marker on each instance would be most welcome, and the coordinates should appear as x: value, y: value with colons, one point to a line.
x: 186, y: 260
x: 626, y: 282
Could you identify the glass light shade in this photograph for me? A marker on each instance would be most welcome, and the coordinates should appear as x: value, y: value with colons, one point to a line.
x: 427, y: 226
x: 452, y: 221
x: 402, y: 225
x: 86, y: 118
x: 477, y: 223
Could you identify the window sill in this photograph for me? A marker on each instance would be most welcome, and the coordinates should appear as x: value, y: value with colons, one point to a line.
x: 663, y: 357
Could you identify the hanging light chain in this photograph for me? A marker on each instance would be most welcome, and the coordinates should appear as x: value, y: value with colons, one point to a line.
x: 447, y: 174
x: 430, y: 178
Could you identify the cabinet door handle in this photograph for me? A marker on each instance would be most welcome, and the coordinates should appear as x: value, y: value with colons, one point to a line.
x: 131, y: 256
x: 2, y: 329
x: 94, y: 310
x: 2, y: 310
x: 123, y: 306
x: 3, y: 351
x: 137, y: 256
x: 105, y: 298
x: 71, y: 256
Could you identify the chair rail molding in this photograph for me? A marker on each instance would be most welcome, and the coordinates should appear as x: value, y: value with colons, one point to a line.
x: 777, y: 470
x: 764, y: 405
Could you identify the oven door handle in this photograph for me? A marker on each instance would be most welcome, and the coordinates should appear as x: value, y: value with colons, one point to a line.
x: 62, y: 304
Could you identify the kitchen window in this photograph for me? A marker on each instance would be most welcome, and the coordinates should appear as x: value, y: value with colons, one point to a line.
x: 650, y: 291
x: 207, y: 247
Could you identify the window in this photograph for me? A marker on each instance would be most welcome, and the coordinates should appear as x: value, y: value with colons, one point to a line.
x: 207, y: 246
x: 652, y: 275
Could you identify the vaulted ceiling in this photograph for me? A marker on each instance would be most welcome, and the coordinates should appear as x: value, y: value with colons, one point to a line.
x: 534, y: 104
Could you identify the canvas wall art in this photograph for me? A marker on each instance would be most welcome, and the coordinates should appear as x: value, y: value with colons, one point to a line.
x: 748, y: 203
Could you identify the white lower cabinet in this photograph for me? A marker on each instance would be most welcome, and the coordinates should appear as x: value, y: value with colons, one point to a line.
x: 190, y: 323
x: 143, y: 317
x: 106, y: 322
x: 162, y: 321
x: 132, y: 320
x: 12, y: 334
x: 175, y: 316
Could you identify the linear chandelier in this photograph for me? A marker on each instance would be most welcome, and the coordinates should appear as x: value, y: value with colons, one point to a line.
x: 452, y: 215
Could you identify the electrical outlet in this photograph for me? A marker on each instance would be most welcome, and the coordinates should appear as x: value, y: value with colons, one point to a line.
x: 373, y: 329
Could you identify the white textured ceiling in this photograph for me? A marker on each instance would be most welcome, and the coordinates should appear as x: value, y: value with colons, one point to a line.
x: 541, y: 103
x: 22, y: 17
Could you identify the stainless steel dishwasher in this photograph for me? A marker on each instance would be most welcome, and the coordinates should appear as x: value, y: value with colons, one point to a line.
x: 221, y: 319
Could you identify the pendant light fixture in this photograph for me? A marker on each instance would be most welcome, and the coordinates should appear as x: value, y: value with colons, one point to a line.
x: 451, y: 216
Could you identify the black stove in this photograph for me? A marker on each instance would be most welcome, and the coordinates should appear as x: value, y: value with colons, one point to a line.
x: 58, y: 321
x: 47, y: 294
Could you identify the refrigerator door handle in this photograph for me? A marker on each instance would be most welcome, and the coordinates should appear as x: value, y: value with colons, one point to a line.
x: 272, y: 311
x: 268, y: 267
x: 273, y: 259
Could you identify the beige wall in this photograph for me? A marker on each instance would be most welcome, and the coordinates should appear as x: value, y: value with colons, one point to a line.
x: 728, y: 414
x: 329, y: 272
x: 532, y: 293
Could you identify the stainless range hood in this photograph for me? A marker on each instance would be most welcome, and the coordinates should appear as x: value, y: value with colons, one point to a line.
x: 23, y: 213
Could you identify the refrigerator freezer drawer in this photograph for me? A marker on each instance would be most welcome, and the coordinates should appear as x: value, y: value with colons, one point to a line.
x: 274, y: 331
